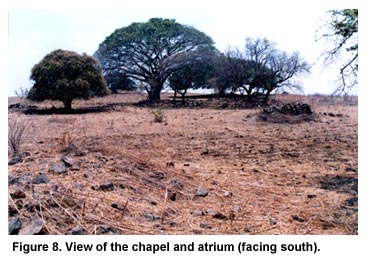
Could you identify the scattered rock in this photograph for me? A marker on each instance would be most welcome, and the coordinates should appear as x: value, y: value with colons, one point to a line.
x: 78, y: 230
x: 19, y: 204
x: 76, y: 166
x: 115, y: 205
x: 273, y: 221
x: 157, y: 174
x: 58, y: 168
x: 54, y: 188
x: 25, y: 154
x: 79, y: 186
x: 41, y: 179
x: 72, y: 149
x: 290, y: 154
x: 35, y: 227
x: 232, y: 215
x: 206, y: 226
x: 236, y: 208
x: 107, y: 186
x: 350, y: 169
x: 172, y: 223
x: 14, y: 225
x: 152, y: 183
x: 219, y: 216
x: 68, y: 161
x: 228, y: 194
x: 352, y: 201
x: 17, y: 193
x: 201, y: 192
x: 69, y: 201
x: 216, y: 214
x: 298, y: 218
x: 311, y: 196
x: 170, y: 164
x: 248, y: 229
x: 26, y: 179
x: 95, y: 187
x: 171, y: 195
x: 126, y: 186
x: 97, y: 166
x: 186, y: 164
x: 12, y: 180
x: 177, y: 183
x: 151, y: 216
x: 32, y: 206
x: 197, y: 213
x: 12, y: 210
x: 327, y: 225
x: 169, y: 211
x: 15, y: 159
x: 106, y: 229
x: 205, y: 152
x: 210, y: 211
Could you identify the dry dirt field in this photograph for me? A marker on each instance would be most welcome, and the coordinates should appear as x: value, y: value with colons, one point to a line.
x: 203, y: 170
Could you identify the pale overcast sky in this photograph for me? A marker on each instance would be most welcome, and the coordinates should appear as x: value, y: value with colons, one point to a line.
x: 36, y: 30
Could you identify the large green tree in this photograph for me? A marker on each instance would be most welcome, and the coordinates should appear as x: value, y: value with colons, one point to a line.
x: 342, y: 38
x: 150, y: 52
x: 65, y: 76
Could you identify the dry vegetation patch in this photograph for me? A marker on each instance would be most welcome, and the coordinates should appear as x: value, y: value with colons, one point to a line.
x: 201, y: 171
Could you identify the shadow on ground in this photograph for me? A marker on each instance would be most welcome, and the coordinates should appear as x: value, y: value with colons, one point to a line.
x: 349, y: 208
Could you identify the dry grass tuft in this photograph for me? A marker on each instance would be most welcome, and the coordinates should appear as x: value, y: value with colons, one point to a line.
x: 158, y: 116
x: 17, y: 132
x: 73, y: 135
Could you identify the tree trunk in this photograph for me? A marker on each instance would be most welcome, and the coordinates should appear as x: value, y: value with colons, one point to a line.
x: 266, y: 97
x: 67, y: 104
x: 183, y: 96
x: 155, y: 92
x: 249, y: 94
x: 174, y: 97
x: 249, y: 98
x: 221, y: 92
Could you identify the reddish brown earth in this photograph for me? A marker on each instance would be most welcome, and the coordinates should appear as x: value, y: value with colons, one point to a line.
x: 131, y: 175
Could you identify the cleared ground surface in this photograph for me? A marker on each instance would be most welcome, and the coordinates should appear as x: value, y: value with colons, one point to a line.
x: 204, y: 170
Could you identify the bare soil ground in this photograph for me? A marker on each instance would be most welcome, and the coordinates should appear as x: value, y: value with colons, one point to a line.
x: 210, y: 168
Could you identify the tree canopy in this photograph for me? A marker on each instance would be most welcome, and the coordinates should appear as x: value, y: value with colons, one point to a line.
x: 229, y: 72
x: 193, y: 76
x: 272, y: 68
x: 259, y: 68
x: 64, y: 76
x: 150, y: 52
x: 119, y: 82
x: 342, y: 36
